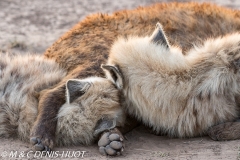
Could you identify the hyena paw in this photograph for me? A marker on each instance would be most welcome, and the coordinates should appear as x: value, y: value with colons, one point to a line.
x: 225, y: 131
x: 111, y: 143
x: 41, y: 144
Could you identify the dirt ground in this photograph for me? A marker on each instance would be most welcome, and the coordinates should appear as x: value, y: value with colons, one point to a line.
x: 33, y: 25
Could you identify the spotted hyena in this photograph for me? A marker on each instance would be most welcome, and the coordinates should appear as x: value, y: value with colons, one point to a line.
x: 86, y: 46
x: 180, y: 95
x: 91, y: 106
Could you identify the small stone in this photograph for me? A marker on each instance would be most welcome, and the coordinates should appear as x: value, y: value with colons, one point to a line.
x: 116, y: 145
x: 114, y: 137
x: 104, y: 140
x: 110, y: 151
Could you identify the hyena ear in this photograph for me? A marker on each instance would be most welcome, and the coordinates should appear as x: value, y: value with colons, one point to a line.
x: 159, y: 36
x: 76, y: 88
x: 113, y: 73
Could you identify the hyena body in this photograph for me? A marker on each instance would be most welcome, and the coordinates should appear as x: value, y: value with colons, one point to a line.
x: 181, y: 95
x: 24, y: 77
x: 86, y: 46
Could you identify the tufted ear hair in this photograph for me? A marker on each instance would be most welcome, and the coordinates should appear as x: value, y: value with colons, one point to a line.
x: 76, y: 88
x: 113, y: 73
x: 159, y: 37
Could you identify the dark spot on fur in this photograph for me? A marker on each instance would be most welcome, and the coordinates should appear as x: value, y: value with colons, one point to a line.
x: 105, y: 56
x: 236, y: 65
x: 6, y: 96
x: 99, y: 47
x: 2, y: 65
x: 195, y: 112
x: 82, y: 108
x: 1, y: 75
x: 200, y: 96
x: 5, y: 87
x: 12, y: 73
x: 104, y: 95
x: 19, y: 86
x: 209, y: 96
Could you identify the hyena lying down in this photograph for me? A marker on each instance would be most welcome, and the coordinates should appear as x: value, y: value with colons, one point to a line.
x: 85, y: 113
x: 180, y: 95
x: 86, y: 46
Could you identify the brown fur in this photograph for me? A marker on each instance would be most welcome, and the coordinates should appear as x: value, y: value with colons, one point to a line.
x: 89, y: 41
x: 81, y: 50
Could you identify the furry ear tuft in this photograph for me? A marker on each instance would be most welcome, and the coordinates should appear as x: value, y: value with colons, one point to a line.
x: 113, y: 73
x: 159, y: 36
x: 76, y: 88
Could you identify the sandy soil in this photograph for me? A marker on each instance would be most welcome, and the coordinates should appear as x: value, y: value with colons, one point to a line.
x: 33, y: 25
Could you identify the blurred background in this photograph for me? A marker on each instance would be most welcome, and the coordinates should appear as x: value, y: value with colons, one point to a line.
x: 33, y: 25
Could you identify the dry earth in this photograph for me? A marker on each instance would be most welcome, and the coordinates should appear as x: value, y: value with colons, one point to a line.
x: 33, y: 25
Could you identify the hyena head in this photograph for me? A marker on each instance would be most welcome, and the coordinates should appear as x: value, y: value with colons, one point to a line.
x: 94, y: 103
x: 142, y: 52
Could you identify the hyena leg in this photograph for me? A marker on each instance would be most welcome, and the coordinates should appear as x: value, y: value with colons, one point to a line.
x: 225, y: 131
x: 111, y: 141
x: 43, y: 132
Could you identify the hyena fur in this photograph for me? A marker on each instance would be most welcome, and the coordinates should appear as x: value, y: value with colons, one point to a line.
x: 88, y: 105
x: 180, y: 95
x: 86, y: 46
